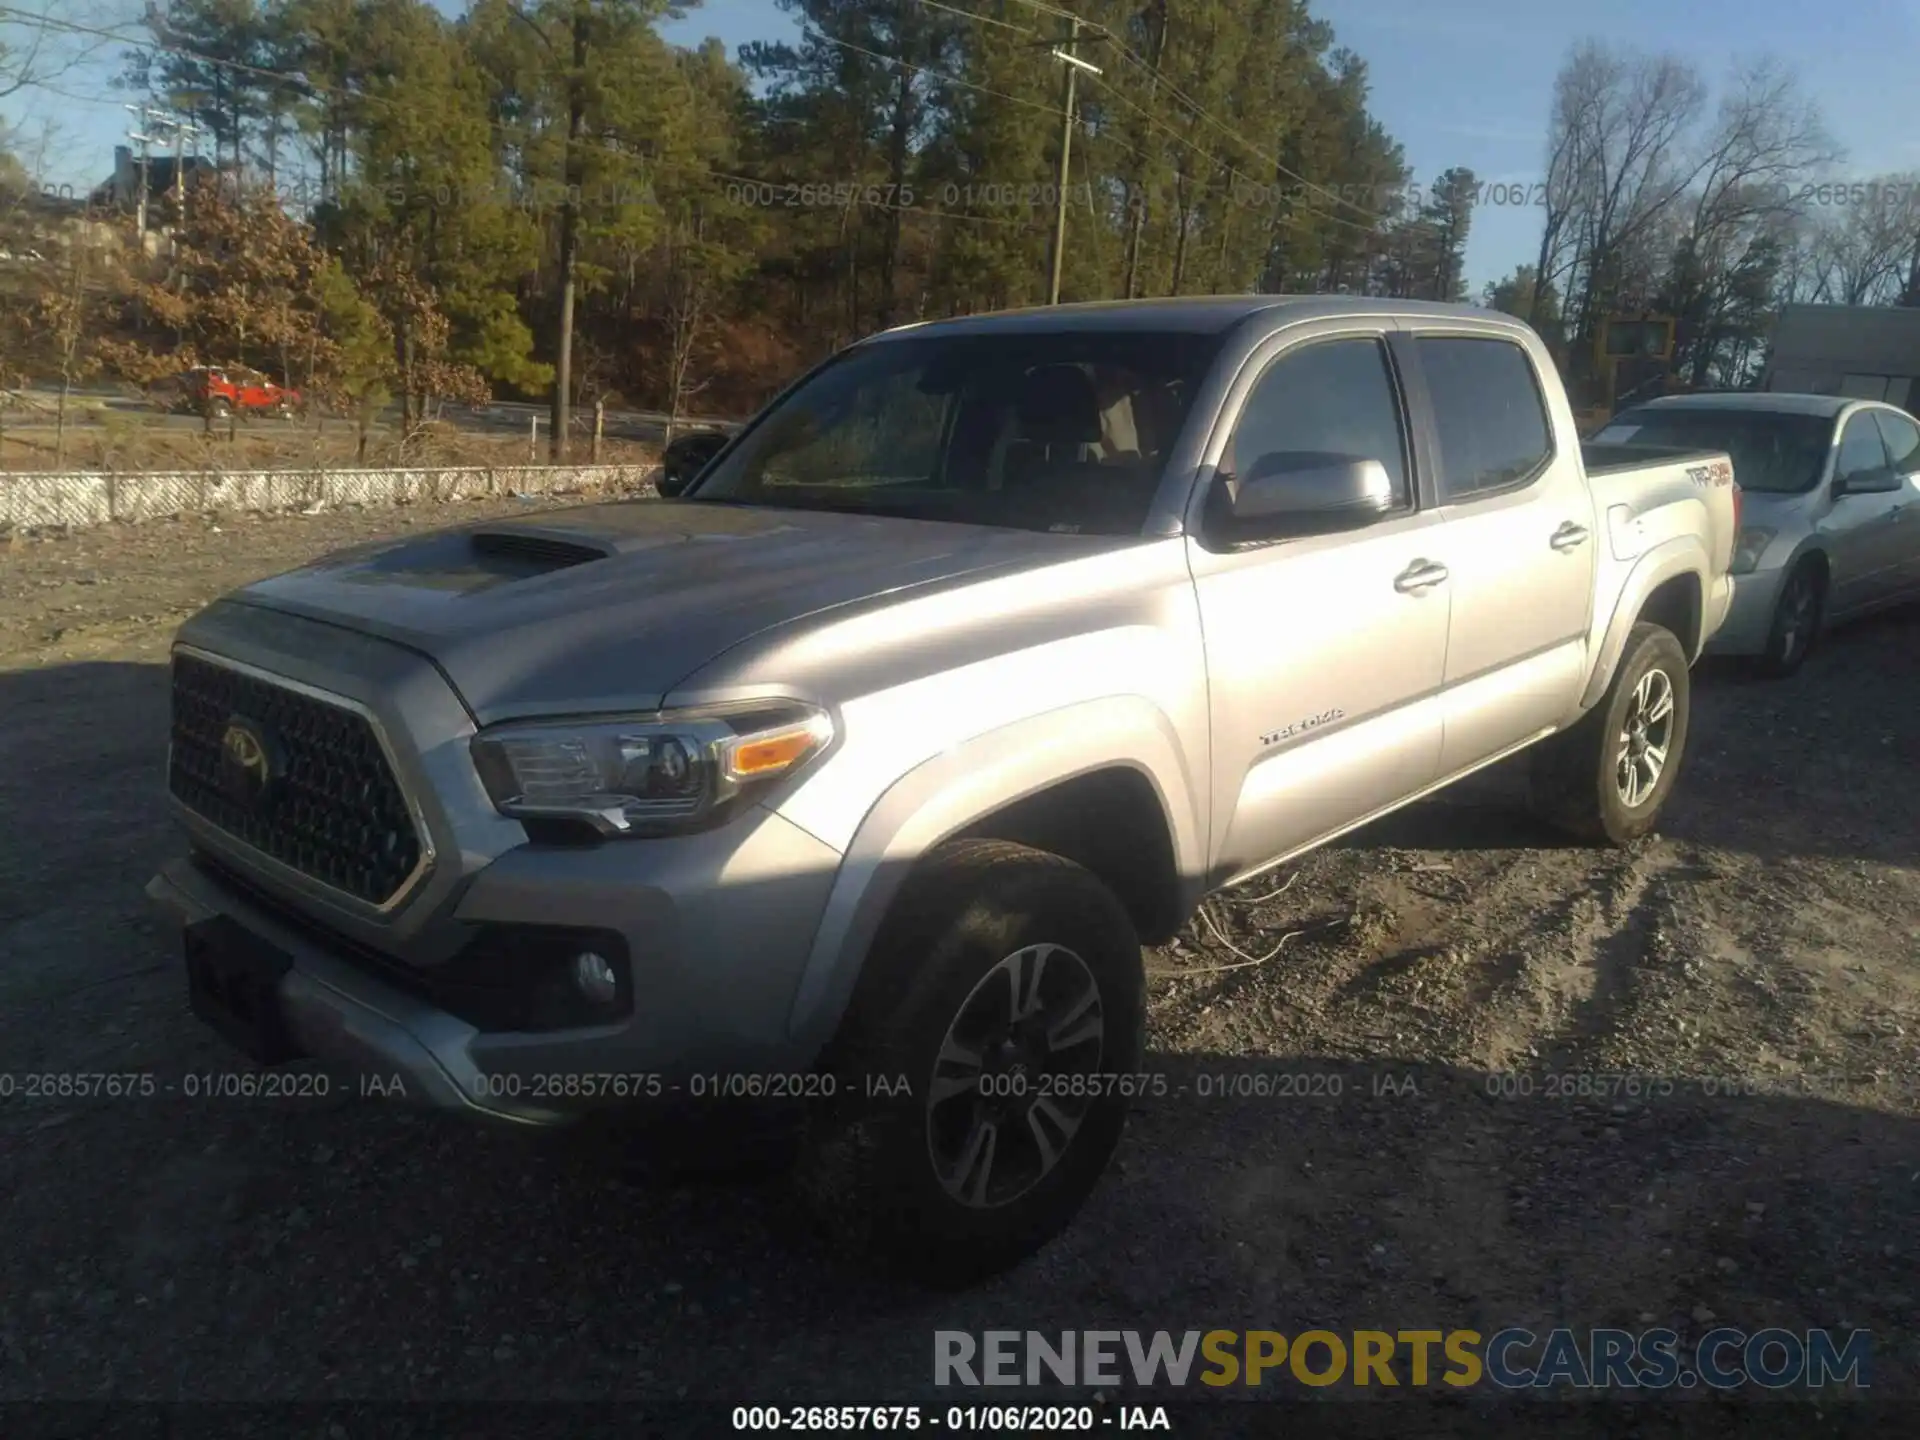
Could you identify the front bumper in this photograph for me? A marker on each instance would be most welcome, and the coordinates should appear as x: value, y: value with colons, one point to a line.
x: 717, y: 937
x: 1750, y: 615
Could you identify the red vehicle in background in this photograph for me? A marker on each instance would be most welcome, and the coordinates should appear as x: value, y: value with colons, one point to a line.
x: 219, y: 391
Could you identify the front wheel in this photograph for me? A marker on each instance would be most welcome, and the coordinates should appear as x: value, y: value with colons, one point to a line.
x: 983, y: 1067
x: 1796, y: 622
x: 1607, y: 778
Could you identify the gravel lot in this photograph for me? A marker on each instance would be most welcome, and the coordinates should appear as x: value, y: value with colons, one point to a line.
x: 1755, y: 963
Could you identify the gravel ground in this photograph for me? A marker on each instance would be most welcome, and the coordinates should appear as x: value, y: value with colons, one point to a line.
x: 1754, y: 965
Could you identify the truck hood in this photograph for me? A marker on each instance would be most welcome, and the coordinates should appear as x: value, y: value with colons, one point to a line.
x: 607, y: 607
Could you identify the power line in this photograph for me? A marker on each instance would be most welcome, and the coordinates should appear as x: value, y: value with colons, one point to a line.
x: 940, y: 75
x: 1228, y: 166
x: 1200, y: 112
x: 975, y: 15
x: 318, y: 88
x: 147, y: 42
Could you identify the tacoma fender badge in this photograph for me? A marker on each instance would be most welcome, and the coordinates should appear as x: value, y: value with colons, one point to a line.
x: 1301, y: 727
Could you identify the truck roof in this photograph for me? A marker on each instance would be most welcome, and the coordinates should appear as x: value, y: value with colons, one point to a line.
x: 1195, y: 314
x: 1778, y: 402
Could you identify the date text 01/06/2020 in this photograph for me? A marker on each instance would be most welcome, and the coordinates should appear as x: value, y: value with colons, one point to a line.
x: 1411, y: 193
x: 703, y: 1085
x: 1018, y: 1419
x: 65, y: 1085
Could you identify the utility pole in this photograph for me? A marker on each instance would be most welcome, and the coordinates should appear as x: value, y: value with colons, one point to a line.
x: 570, y: 201
x: 181, y: 129
x: 1074, y: 66
x: 140, y: 137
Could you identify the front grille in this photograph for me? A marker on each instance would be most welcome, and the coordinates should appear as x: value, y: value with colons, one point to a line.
x: 330, y: 809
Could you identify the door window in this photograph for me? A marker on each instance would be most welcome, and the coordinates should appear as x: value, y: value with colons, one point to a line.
x: 1863, y: 458
x: 1335, y: 396
x: 1903, y: 441
x: 1489, y: 412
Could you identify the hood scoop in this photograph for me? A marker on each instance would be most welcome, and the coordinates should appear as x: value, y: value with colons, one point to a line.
x: 537, y: 549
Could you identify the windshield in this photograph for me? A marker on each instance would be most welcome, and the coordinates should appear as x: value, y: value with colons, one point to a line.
x: 1773, y: 453
x: 1067, y: 432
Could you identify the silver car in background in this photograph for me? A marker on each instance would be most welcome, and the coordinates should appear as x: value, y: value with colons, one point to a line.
x: 1830, y: 527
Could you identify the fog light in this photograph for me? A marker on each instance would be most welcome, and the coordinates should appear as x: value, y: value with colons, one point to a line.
x: 594, y: 977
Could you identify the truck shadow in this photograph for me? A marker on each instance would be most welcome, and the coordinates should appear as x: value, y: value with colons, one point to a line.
x: 356, y: 1249
x: 166, y: 1246
x: 1821, y: 763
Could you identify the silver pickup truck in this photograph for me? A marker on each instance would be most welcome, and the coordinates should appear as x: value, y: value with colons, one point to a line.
x: 857, y: 776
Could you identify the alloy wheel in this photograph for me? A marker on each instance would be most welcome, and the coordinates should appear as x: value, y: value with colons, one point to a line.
x: 1016, y: 1074
x: 1645, y: 739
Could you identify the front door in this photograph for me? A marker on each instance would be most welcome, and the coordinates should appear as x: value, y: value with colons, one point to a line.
x: 1902, y: 436
x: 1324, y: 654
x: 1862, y: 526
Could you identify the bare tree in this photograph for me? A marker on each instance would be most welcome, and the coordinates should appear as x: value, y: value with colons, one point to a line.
x: 1857, y: 254
x: 689, y: 304
x: 1629, y: 167
x: 1768, y: 137
x: 1577, y: 92
x: 37, y: 49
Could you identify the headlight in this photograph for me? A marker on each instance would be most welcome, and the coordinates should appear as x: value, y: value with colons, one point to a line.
x: 648, y: 774
x: 1748, y: 548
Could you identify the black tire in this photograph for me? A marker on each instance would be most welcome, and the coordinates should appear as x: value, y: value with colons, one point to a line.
x: 1581, y: 777
x: 219, y: 409
x: 869, y: 1164
x: 1797, y: 618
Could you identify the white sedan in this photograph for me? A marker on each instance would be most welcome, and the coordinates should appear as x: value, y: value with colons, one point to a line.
x: 1830, y: 509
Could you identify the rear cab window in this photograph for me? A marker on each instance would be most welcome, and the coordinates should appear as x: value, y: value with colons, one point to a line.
x: 1489, y: 413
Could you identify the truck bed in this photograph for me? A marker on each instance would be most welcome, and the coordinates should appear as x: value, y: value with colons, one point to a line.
x: 1606, y: 459
x: 1648, y: 496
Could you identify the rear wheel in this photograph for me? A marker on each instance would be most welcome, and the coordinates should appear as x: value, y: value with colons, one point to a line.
x: 1796, y: 621
x: 219, y: 407
x: 1006, y: 992
x: 1607, y: 778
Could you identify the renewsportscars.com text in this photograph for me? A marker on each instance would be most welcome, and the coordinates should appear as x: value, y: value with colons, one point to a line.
x: 1512, y: 1358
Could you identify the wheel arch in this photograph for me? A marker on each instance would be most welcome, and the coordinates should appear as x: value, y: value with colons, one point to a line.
x: 1106, y: 779
x: 1667, y: 587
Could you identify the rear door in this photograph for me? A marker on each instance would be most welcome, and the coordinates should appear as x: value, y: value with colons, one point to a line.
x: 1862, y: 524
x: 1324, y: 653
x: 1520, y: 541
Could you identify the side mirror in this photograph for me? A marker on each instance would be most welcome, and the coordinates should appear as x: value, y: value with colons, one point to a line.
x: 1876, y: 481
x: 1291, y: 493
x: 686, y: 457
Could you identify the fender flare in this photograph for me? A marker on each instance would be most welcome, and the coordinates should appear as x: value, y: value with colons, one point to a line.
x: 1813, y: 544
x: 945, y: 794
x: 1682, y: 555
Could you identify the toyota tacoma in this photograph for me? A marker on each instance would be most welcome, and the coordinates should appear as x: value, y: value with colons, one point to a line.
x: 858, y: 772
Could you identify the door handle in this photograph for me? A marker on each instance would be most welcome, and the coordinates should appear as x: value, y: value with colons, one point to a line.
x: 1421, y: 575
x: 1568, y: 536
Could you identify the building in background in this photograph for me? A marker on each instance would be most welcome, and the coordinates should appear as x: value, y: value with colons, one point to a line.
x: 1865, y: 352
x: 121, y: 190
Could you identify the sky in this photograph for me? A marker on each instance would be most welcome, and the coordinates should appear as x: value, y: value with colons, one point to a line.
x: 1457, y: 82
